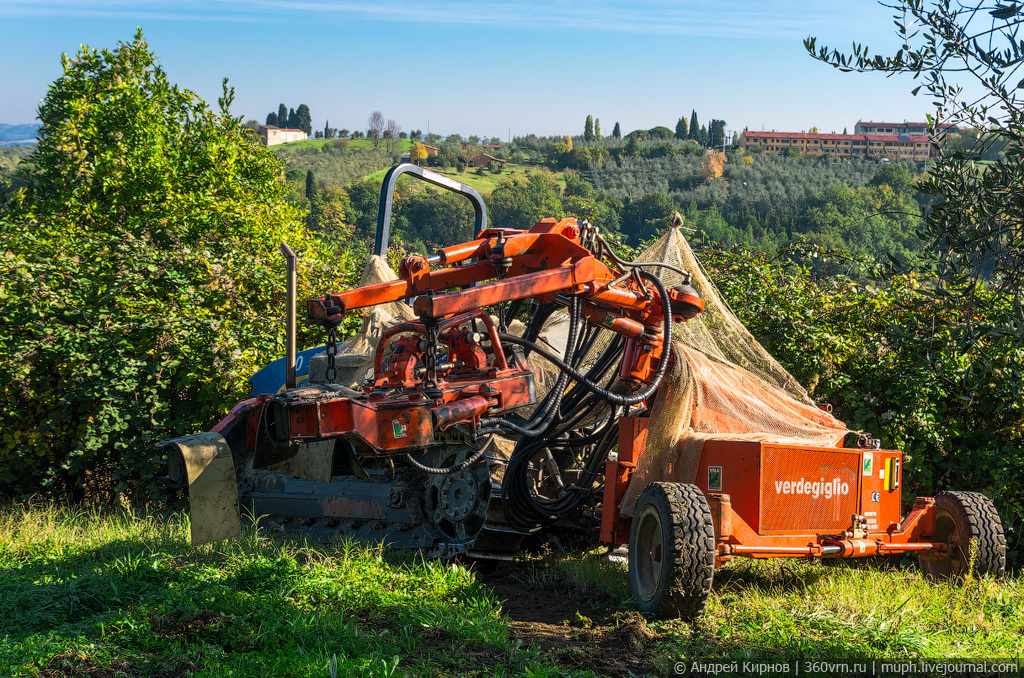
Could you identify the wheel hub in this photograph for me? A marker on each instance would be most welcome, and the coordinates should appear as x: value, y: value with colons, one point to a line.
x: 457, y: 496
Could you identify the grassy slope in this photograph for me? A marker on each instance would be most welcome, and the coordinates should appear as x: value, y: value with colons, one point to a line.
x: 484, y: 183
x: 358, y: 160
x: 88, y: 594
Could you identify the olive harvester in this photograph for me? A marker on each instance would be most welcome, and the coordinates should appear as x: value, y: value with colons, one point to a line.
x: 531, y: 384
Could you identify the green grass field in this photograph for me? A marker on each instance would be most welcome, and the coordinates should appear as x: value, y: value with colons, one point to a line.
x: 92, y: 594
x: 365, y: 144
x: 484, y: 182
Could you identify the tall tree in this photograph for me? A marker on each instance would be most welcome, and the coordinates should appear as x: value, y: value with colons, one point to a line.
x: 374, y: 127
x: 293, y: 119
x: 597, y: 128
x: 272, y: 118
x: 303, y: 120
x: 282, y: 115
x: 682, y: 129
x: 694, y: 127
x: 617, y: 131
x: 391, y: 136
x: 588, y: 129
x: 310, y: 185
x: 716, y: 133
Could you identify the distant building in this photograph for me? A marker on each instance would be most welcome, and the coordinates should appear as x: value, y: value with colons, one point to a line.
x: 273, y: 135
x: 492, y: 146
x: 916, y: 147
x: 431, y: 152
x: 900, y: 128
x: 483, y: 160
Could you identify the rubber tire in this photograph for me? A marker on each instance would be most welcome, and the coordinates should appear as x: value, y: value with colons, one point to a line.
x: 961, y: 517
x: 671, y: 551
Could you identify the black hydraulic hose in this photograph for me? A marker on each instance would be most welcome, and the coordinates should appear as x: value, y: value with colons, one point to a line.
x: 635, y: 264
x: 541, y: 421
x: 613, y: 398
x: 454, y: 468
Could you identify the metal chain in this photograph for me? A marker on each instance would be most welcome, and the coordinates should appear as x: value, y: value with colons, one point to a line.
x: 332, y: 351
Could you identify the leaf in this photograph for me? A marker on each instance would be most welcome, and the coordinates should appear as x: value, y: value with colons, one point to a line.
x: 1006, y: 12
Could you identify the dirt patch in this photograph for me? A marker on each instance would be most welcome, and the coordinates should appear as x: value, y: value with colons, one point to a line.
x: 189, y: 625
x: 575, y: 628
x: 68, y: 664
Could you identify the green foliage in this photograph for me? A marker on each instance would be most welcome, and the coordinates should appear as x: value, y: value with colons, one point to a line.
x: 330, y: 211
x: 140, y: 277
x: 975, y: 226
x: 682, y: 129
x: 519, y: 202
x: 431, y: 219
x: 303, y: 120
x: 617, y: 131
x: 588, y: 129
x: 336, y: 163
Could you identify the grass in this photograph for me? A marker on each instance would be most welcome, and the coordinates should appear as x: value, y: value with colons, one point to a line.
x: 484, y: 182
x: 86, y: 594
x: 90, y: 594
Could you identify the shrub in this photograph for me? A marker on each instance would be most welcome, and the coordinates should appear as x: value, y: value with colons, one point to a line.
x: 140, y: 276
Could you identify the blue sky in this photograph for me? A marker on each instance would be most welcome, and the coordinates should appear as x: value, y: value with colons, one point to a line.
x: 480, y: 67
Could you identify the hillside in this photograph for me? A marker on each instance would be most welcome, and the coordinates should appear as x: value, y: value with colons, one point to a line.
x: 336, y: 162
x: 18, y: 134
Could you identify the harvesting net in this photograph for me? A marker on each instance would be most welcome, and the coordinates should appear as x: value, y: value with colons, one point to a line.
x: 724, y: 386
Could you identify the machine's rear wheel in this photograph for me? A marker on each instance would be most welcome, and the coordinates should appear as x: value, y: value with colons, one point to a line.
x: 671, y: 551
x: 961, y: 517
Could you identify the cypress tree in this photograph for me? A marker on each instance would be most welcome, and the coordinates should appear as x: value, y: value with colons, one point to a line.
x: 310, y: 184
x: 617, y: 131
x: 282, y: 116
x: 588, y: 129
x: 694, y: 126
x: 272, y: 118
x: 597, y: 128
x: 303, y: 120
x: 682, y: 129
x: 293, y: 119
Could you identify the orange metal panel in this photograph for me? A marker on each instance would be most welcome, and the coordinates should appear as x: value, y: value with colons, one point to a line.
x: 617, y: 474
x: 807, y: 489
x: 879, y: 505
x: 736, y: 465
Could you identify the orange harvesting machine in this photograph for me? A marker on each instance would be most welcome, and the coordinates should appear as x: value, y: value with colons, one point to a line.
x: 526, y: 385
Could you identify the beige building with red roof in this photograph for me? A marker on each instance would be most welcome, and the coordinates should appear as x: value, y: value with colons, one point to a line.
x: 273, y: 135
x: 915, y: 147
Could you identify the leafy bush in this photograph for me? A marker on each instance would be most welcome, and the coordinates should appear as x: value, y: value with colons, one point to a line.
x: 140, y: 277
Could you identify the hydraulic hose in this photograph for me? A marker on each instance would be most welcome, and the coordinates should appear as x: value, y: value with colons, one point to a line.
x: 613, y: 398
x: 454, y: 468
x: 635, y: 264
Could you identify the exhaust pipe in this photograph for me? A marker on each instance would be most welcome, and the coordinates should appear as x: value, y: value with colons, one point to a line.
x: 289, y: 352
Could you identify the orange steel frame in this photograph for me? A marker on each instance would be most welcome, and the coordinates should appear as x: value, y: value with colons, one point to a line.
x: 734, y: 533
x: 500, y: 265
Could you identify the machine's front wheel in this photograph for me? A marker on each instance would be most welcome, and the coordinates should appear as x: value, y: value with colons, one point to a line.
x: 960, y: 518
x: 671, y: 550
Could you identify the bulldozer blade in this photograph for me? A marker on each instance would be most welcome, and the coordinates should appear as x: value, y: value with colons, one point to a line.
x: 212, y: 487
